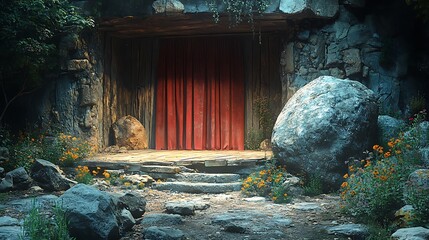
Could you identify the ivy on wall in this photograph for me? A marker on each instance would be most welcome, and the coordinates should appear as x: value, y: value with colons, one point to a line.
x: 238, y: 10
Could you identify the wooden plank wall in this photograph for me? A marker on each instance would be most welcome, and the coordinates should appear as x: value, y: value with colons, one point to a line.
x: 129, y: 83
x: 262, y: 65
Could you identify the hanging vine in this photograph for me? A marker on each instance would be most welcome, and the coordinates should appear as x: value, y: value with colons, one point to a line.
x: 238, y: 10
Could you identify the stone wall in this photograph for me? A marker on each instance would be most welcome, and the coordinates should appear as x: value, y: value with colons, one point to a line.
x: 72, y: 103
x: 370, y: 44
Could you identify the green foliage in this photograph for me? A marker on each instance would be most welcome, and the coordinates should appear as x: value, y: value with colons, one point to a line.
x: 31, y: 31
x: 61, y: 149
x: 267, y: 183
x: 377, y: 232
x: 374, y: 186
x: 417, y: 103
x: 37, y: 226
x: 238, y: 10
x: 417, y: 195
x: 313, y: 186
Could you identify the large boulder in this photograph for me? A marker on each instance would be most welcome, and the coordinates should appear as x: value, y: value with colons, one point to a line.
x: 324, y: 124
x: 49, y: 176
x: 90, y: 212
x: 130, y: 133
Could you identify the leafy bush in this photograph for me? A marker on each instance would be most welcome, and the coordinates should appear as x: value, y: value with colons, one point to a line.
x: 38, y: 226
x: 267, y: 183
x: 60, y: 149
x: 83, y: 175
x: 374, y: 186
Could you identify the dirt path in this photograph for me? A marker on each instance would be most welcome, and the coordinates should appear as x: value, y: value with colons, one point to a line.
x: 294, y: 222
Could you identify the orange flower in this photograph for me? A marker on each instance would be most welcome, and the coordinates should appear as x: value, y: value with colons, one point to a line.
x: 387, y: 154
x: 344, y: 184
x: 346, y: 175
x: 375, y: 147
x: 368, y: 163
x: 383, y: 178
x: 391, y: 144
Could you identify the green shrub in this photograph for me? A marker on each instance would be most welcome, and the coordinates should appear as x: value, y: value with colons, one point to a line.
x: 267, y: 183
x: 313, y: 186
x: 60, y: 149
x: 38, y: 226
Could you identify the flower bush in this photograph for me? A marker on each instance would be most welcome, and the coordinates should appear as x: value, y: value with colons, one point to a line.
x: 373, y: 187
x: 83, y: 175
x: 267, y: 183
x: 60, y: 149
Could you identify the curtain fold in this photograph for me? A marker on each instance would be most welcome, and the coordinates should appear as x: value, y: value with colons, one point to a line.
x: 200, y: 94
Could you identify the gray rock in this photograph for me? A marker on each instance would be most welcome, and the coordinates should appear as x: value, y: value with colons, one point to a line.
x: 358, y: 34
x: 234, y: 227
x: 196, y: 6
x: 90, y: 212
x: 181, y: 208
x: 49, y: 176
x: 292, y: 7
x: 162, y: 233
x: 9, y: 221
x: 10, y: 228
x: 411, y: 233
x: 352, y: 62
x: 324, y: 123
x: 162, y: 218
x: 333, y: 55
x: 43, y: 202
x: 185, y: 208
x: 198, y: 187
x: 208, y: 177
x: 168, y: 6
x: 341, y: 30
x: 350, y: 230
x: 387, y: 90
x: 10, y: 233
x: 307, y: 206
x: 20, y: 178
x: 127, y: 220
x: 319, y: 8
x: 304, y: 35
x: 134, y: 203
x: 388, y: 127
x: 418, y: 180
x: 424, y: 152
x: 6, y: 184
x: 420, y: 133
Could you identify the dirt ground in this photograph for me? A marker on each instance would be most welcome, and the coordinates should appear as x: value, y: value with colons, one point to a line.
x: 309, y: 224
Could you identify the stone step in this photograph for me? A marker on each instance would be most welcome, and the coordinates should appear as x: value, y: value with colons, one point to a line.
x: 193, y: 187
x: 207, y: 177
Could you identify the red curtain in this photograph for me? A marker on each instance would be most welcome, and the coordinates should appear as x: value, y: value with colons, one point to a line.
x: 200, y: 94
